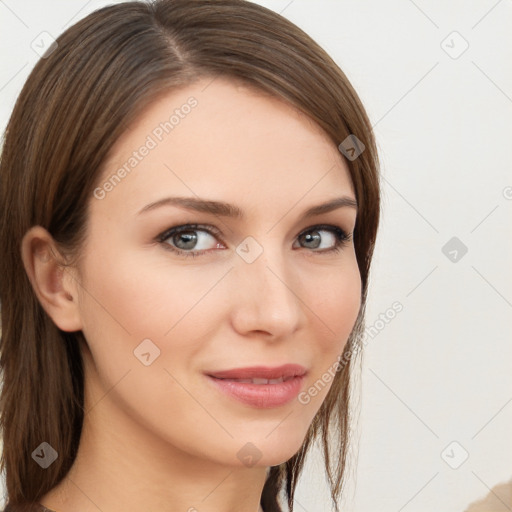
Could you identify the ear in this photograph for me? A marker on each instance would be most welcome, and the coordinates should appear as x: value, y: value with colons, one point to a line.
x: 54, y: 285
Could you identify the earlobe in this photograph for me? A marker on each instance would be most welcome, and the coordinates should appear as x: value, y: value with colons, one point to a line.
x: 53, y: 285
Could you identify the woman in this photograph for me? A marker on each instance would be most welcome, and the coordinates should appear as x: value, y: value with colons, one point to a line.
x: 190, y: 201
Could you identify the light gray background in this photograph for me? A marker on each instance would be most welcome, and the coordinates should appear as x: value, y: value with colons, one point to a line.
x: 440, y: 370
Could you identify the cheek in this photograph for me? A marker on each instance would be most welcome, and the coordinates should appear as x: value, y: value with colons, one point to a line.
x: 335, y: 306
x: 132, y: 300
x: 138, y: 298
x: 142, y: 296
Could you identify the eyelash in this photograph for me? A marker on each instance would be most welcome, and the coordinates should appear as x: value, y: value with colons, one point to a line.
x: 342, y: 237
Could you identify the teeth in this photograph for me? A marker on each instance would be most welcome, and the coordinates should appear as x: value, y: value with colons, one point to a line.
x: 259, y: 381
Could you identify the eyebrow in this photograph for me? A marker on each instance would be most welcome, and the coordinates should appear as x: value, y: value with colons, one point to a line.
x: 232, y: 211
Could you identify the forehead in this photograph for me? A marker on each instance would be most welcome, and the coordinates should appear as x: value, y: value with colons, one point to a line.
x: 221, y: 138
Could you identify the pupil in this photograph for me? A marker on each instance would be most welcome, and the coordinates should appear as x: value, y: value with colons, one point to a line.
x: 189, y: 239
x: 313, y: 237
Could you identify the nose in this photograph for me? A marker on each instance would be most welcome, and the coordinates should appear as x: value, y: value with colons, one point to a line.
x: 266, y: 297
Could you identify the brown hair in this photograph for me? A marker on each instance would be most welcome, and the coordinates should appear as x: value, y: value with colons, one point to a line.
x: 75, y: 104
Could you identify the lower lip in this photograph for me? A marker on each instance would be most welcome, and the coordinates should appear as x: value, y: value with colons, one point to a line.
x: 262, y: 396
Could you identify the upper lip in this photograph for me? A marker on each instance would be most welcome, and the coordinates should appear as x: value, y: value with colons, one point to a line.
x: 263, y: 372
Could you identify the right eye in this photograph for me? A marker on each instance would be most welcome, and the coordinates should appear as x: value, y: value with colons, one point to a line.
x: 184, y: 239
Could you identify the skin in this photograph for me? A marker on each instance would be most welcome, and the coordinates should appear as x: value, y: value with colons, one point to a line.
x: 160, y: 437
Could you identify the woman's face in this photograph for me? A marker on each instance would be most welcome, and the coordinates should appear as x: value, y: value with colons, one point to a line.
x: 264, y: 288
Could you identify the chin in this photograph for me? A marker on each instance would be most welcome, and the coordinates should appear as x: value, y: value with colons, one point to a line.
x: 270, y: 446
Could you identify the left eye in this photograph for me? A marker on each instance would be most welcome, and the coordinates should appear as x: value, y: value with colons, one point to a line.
x: 184, y: 240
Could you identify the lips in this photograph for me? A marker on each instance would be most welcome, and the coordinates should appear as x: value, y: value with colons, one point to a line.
x: 260, y: 386
x: 261, y: 374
